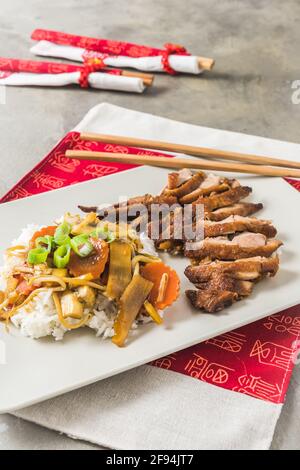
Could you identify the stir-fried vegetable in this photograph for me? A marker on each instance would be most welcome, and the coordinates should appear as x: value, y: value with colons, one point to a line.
x: 61, y: 256
x: 84, y: 280
x: 6, y: 315
x: 37, y: 256
x: 144, y: 259
x: 166, y: 284
x: 120, y: 272
x: 94, y: 263
x: 63, y: 320
x: 81, y: 245
x: 61, y: 235
x: 48, y: 281
x: 50, y: 230
x: 45, y: 242
x: 131, y: 303
x: 71, y: 306
x: 24, y: 288
x: 105, y: 234
x: 60, y: 272
x: 11, y: 284
x: 153, y: 312
x: 82, y: 260
x: 87, y: 294
x: 87, y: 225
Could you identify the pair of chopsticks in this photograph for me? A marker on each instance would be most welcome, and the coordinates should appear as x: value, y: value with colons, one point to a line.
x: 8, y: 64
x: 247, y: 163
x: 146, y: 77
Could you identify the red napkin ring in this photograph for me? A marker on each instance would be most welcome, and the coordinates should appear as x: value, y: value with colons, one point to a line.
x: 167, y: 51
x: 90, y: 66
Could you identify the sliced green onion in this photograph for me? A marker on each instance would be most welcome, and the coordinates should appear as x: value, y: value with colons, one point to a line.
x: 81, y: 245
x: 46, y: 242
x: 61, y: 235
x: 37, y: 255
x: 61, y: 256
x: 104, y: 234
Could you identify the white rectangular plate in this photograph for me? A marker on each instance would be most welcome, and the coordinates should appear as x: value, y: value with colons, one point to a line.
x: 36, y: 370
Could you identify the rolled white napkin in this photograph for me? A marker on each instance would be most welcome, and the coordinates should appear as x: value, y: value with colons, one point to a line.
x: 103, y: 81
x: 180, y: 63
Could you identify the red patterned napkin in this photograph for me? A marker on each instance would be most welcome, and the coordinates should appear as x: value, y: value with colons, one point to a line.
x: 256, y: 359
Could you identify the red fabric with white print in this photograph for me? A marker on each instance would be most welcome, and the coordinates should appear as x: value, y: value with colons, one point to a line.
x: 100, y: 45
x: 256, y: 359
x: 106, y: 46
x: 9, y: 65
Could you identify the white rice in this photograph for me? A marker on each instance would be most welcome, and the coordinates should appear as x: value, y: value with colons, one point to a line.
x: 11, y: 261
x: 39, y: 318
x: 26, y: 234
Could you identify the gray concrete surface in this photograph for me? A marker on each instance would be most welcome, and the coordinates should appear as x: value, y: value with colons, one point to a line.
x: 254, y: 42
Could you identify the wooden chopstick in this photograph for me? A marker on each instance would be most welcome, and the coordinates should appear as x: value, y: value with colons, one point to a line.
x: 206, y: 63
x: 178, y: 163
x: 188, y: 150
x: 146, y: 77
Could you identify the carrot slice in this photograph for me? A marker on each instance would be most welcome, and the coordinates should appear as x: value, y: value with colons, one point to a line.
x: 25, y: 288
x: 94, y: 263
x: 50, y: 230
x: 154, y: 272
